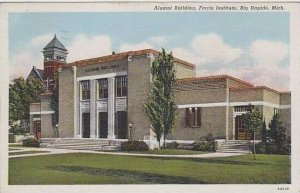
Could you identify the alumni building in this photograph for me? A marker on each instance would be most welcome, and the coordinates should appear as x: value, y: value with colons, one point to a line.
x: 104, y: 98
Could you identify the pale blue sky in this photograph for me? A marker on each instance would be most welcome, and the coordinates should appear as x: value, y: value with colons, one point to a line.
x: 240, y: 33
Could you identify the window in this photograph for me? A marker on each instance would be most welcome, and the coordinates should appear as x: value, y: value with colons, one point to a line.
x: 193, y: 117
x: 276, y: 111
x: 240, y: 108
x: 102, y: 89
x: 85, y: 90
x: 121, y: 86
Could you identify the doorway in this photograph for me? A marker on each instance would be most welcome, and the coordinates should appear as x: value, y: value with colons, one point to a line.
x: 240, y: 132
x: 86, y: 125
x: 121, y: 130
x: 103, y: 124
x: 37, y: 129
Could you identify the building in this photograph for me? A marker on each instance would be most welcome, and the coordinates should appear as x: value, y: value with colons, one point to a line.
x: 104, y: 97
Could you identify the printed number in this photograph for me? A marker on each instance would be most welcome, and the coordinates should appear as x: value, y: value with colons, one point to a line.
x: 283, y: 188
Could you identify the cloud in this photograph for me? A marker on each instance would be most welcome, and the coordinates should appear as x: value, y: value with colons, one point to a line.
x: 131, y: 47
x: 21, y: 64
x: 41, y: 40
x: 83, y: 47
x: 158, y: 40
x: 209, y: 49
x: 264, y: 64
x: 266, y: 53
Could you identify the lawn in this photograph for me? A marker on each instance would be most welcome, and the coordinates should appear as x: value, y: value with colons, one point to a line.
x: 81, y: 168
x: 171, y: 152
x: 26, y: 152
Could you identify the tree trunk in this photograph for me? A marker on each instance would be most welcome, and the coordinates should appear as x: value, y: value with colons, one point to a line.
x: 254, y: 151
x: 164, y: 141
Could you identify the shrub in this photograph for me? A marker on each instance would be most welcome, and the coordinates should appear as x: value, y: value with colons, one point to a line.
x: 271, y: 148
x: 134, y: 146
x: 173, y: 145
x: 31, y: 142
x: 204, y: 146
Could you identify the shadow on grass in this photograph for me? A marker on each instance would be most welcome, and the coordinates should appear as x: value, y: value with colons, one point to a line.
x: 134, y: 176
x: 212, y: 161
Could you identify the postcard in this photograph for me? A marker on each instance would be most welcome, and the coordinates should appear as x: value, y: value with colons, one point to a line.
x: 150, y: 96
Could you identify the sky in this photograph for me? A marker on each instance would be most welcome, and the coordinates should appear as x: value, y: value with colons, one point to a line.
x: 249, y: 46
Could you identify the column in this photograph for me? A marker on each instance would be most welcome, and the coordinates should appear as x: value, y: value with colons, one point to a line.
x: 93, y: 109
x: 227, y: 112
x: 75, y: 101
x: 111, y: 108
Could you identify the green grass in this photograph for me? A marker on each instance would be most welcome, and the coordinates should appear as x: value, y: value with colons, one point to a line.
x: 171, y: 152
x: 15, y: 145
x: 13, y: 149
x: 26, y: 152
x: 83, y: 168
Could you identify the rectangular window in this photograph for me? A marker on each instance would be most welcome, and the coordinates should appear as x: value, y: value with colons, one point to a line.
x: 85, y: 90
x: 121, y: 86
x: 103, y: 88
x: 193, y: 117
x: 276, y: 111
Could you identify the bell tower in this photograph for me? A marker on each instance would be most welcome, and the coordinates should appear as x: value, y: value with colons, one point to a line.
x: 55, y: 54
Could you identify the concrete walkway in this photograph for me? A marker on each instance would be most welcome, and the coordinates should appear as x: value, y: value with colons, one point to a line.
x: 49, y: 151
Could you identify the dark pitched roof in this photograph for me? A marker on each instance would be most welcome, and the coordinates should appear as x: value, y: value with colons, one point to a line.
x: 55, y: 43
x: 37, y: 72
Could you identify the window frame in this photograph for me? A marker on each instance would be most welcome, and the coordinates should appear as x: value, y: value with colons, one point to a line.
x: 85, y: 89
x: 193, y: 117
x: 121, y: 86
x: 102, y: 86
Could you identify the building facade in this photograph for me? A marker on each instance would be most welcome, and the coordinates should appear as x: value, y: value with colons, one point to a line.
x: 104, y: 98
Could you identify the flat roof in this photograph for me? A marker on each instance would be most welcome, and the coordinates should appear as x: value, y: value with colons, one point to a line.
x: 215, y: 77
x: 225, y: 76
x: 119, y: 56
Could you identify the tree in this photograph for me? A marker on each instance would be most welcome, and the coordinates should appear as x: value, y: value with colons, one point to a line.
x: 264, y: 132
x: 252, y: 122
x: 55, y: 102
x: 161, y: 107
x: 277, y: 133
x: 21, y: 93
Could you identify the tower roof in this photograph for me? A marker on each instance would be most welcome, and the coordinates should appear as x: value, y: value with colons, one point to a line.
x: 55, y: 43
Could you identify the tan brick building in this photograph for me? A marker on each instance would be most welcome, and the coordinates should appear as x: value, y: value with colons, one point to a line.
x: 103, y: 98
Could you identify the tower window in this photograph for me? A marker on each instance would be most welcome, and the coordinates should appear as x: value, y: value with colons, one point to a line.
x: 121, y: 86
x: 103, y: 88
x: 85, y: 90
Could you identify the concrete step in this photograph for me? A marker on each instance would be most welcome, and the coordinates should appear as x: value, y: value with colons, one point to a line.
x: 75, y: 144
x: 235, y: 146
x: 233, y: 151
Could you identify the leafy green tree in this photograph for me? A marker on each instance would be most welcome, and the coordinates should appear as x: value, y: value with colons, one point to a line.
x: 161, y: 106
x: 277, y: 133
x: 264, y: 132
x: 21, y: 93
x: 55, y: 102
x: 252, y: 122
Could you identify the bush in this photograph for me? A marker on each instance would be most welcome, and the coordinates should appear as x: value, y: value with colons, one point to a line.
x: 271, y: 148
x: 173, y: 145
x: 31, y: 142
x: 204, y: 146
x: 134, y: 146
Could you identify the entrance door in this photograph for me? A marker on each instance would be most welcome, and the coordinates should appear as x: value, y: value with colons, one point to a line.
x: 37, y: 129
x: 122, y: 124
x: 103, y: 124
x: 86, y: 125
x: 240, y: 132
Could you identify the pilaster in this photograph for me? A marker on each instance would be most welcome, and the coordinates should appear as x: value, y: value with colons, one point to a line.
x: 111, y: 108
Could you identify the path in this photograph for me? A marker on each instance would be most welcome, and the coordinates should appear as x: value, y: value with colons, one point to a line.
x: 49, y: 151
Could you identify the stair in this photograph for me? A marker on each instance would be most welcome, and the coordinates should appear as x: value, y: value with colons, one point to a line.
x: 235, y: 146
x: 82, y: 144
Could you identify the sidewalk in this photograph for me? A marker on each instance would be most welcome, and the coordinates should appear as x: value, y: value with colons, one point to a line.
x: 49, y: 151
